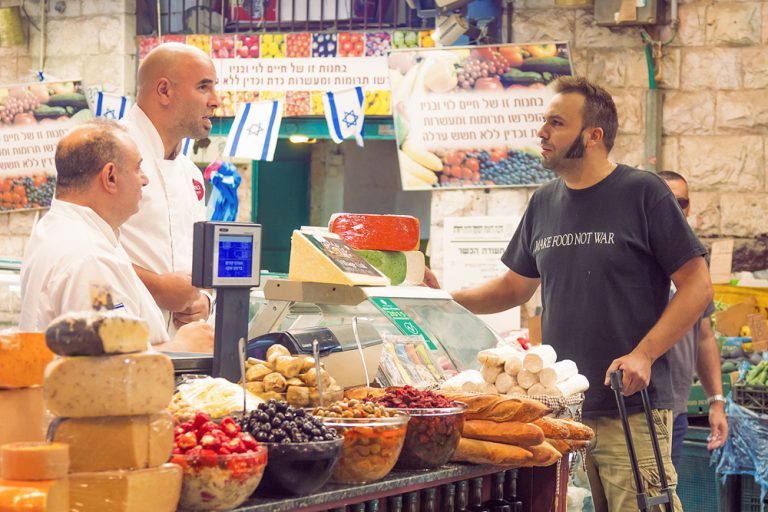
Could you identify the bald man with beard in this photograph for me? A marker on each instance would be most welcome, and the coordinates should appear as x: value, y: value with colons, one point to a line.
x: 175, y: 99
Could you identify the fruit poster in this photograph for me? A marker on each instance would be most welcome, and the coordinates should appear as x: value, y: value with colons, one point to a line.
x: 32, y: 120
x: 299, y: 67
x: 468, y: 117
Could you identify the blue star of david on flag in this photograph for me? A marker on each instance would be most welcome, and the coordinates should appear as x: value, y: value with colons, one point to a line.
x: 254, y: 130
x: 345, y: 114
x: 110, y: 106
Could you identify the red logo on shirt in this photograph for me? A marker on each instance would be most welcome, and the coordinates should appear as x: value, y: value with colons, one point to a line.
x: 199, y: 190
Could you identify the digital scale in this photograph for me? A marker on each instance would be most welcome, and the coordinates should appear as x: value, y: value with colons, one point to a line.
x: 226, y: 256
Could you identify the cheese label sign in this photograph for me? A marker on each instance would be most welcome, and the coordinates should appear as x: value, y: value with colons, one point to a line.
x: 342, y: 255
x: 403, y: 322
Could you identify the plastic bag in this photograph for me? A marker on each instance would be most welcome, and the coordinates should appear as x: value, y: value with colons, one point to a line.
x: 223, y: 203
x: 746, y: 450
x: 215, y: 396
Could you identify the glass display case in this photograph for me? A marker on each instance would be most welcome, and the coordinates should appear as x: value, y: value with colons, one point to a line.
x: 422, y: 331
x: 10, y: 293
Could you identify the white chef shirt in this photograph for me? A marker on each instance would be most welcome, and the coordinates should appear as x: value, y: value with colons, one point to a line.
x: 70, y: 249
x: 159, y: 237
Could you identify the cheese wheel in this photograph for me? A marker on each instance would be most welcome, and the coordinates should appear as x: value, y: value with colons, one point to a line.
x: 22, y: 415
x: 144, y: 490
x: 34, y: 461
x: 120, y: 385
x: 539, y: 356
x: 115, y: 442
x: 30, y: 496
x: 23, y: 357
x: 96, y: 334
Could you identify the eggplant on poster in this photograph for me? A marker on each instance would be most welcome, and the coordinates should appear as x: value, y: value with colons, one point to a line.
x: 467, y: 117
x: 33, y: 118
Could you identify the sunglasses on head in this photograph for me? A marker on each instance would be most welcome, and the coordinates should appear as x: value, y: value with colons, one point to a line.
x: 683, y: 202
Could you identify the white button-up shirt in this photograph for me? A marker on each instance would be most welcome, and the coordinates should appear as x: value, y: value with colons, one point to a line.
x: 70, y: 249
x: 159, y: 237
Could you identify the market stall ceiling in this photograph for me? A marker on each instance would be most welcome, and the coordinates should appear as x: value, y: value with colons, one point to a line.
x: 216, y: 16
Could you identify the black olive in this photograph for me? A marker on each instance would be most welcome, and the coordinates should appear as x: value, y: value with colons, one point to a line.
x: 276, y: 422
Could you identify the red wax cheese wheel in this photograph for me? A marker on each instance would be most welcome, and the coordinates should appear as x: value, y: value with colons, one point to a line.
x: 376, y: 232
x: 26, y: 496
x: 23, y: 358
x: 34, y: 461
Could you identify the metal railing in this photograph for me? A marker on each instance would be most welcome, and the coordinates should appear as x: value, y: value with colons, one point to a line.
x: 169, y: 17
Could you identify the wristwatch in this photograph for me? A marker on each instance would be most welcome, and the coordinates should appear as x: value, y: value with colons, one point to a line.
x: 211, y: 301
x: 715, y: 398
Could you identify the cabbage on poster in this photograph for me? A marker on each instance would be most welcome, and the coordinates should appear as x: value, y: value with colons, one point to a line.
x: 468, y: 117
x: 32, y: 120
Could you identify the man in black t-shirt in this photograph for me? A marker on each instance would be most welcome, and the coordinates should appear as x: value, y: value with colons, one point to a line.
x: 603, y: 241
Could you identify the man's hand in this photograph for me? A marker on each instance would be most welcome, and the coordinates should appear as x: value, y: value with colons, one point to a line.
x: 636, y: 368
x: 198, y: 310
x: 193, y: 337
x: 718, y: 425
x: 172, y: 291
x: 430, y: 279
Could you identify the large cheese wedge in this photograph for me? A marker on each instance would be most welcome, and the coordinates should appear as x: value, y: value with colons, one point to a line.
x: 34, y: 461
x: 376, y: 232
x: 22, y: 415
x: 95, y: 334
x: 23, y: 357
x: 28, y: 496
x: 144, y: 490
x: 325, y: 258
x: 401, y: 267
x: 115, y: 442
x: 121, y: 385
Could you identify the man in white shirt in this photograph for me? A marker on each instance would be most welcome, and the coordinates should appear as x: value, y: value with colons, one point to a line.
x: 76, y: 244
x: 176, y: 98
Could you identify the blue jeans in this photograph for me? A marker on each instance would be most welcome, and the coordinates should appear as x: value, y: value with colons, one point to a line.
x: 679, y: 428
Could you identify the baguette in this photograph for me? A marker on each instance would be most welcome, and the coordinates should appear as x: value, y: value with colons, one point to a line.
x: 543, y: 454
x: 565, y: 429
x: 508, y: 432
x: 500, y: 408
x: 561, y: 445
x: 486, y: 452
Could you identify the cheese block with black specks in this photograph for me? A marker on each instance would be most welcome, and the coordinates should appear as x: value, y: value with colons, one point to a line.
x: 119, y: 385
x: 95, y: 334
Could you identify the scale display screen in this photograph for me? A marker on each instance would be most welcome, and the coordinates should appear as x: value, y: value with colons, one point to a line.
x: 235, y: 256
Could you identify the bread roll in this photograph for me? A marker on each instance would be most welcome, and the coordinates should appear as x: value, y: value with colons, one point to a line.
x: 276, y: 351
x: 489, y: 373
x: 526, y: 379
x: 513, y: 364
x: 486, y: 452
x: 504, y: 381
x: 289, y: 366
x: 274, y: 382
x: 257, y: 372
x: 538, y: 357
x: 508, y: 432
x: 537, y: 389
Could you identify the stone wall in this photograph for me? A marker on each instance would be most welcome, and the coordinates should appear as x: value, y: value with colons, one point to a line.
x: 715, y: 113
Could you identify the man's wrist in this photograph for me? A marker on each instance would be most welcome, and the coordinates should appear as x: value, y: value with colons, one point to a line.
x: 715, y: 398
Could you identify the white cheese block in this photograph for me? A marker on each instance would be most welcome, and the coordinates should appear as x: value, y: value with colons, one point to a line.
x: 325, y: 258
x: 22, y: 415
x: 119, y: 385
x: 557, y: 372
x: 539, y: 356
x: 143, y: 490
x: 115, y: 442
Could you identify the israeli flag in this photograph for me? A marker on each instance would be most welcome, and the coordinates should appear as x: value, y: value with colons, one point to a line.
x: 345, y: 114
x: 254, y: 131
x: 111, y: 106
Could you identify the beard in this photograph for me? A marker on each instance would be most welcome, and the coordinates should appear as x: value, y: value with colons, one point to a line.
x: 576, y: 151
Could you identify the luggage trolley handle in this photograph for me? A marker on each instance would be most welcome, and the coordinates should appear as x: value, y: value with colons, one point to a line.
x: 644, y: 501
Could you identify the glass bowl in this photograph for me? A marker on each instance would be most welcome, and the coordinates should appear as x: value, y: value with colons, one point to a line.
x: 300, y: 468
x: 432, y: 437
x: 219, y: 482
x: 371, y: 446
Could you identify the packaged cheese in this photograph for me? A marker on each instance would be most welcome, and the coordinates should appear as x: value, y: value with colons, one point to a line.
x: 325, y: 258
x: 153, y: 489
x: 376, y: 232
x: 96, y: 334
x: 120, y: 385
x: 34, y: 461
x: 404, y: 268
x: 115, y: 442
x: 30, y: 496
x: 23, y: 357
x: 22, y: 415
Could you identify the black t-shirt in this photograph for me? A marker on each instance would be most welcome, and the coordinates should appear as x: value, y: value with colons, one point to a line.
x: 604, y: 255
